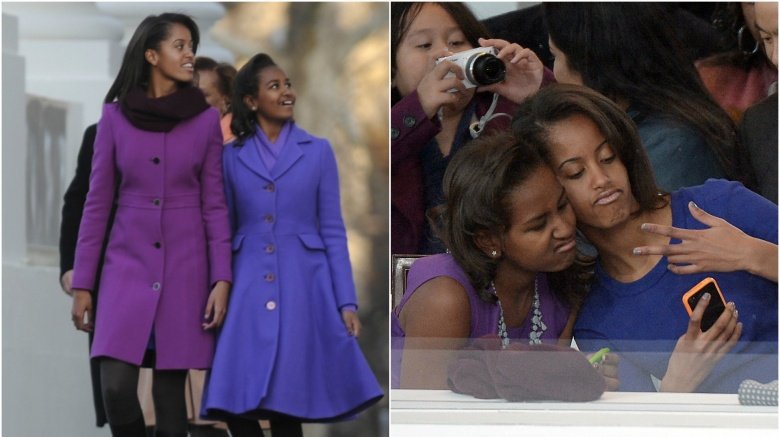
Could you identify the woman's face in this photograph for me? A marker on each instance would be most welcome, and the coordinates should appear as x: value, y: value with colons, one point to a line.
x: 275, y: 97
x: 207, y: 82
x: 174, y: 58
x: 563, y: 73
x: 432, y: 34
x: 541, y: 235
x: 595, y: 179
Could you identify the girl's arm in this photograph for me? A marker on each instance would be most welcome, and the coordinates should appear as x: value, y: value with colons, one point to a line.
x: 215, y: 215
x: 436, y: 321
x: 332, y: 230
x: 720, y: 248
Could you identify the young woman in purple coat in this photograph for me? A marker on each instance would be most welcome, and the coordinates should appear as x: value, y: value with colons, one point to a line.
x: 157, y: 156
x: 288, y: 351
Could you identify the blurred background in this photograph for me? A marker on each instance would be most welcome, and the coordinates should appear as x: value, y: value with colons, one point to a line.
x: 59, y: 60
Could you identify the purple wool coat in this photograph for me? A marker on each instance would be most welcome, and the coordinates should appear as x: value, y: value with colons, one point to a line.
x: 283, y: 347
x: 170, y: 241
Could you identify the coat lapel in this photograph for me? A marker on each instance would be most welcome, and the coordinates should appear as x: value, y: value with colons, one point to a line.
x: 291, y: 152
x: 251, y: 158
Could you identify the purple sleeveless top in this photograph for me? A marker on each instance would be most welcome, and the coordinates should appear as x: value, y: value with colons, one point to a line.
x: 484, y: 315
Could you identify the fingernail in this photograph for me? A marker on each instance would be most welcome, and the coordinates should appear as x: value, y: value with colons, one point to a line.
x: 706, y: 296
x: 736, y: 314
x: 733, y: 306
x: 693, y: 204
x: 645, y: 226
x: 637, y: 251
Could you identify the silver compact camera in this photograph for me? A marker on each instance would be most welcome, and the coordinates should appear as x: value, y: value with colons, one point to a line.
x: 480, y: 66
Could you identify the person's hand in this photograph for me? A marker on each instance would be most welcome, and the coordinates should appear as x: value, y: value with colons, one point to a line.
x: 66, y: 281
x: 697, y: 352
x: 351, y: 322
x: 216, y: 307
x: 435, y: 90
x: 524, y: 70
x: 81, y: 312
x: 720, y: 248
x: 608, y: 367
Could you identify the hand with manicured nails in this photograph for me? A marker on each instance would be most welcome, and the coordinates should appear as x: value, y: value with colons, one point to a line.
x: 697, y: 352
x: 720, y: 248
x: 81, y: 312
x: 216, y: 306
x: 351, y: 322
x: 524, y: 70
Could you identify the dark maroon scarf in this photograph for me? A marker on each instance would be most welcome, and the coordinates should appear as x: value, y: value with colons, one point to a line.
x: 163, y: 113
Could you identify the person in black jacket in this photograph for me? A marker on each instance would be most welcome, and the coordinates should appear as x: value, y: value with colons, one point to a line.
x: 72, y: 209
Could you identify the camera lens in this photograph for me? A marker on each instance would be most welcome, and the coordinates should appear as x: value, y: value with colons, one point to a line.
x: 486, y: 69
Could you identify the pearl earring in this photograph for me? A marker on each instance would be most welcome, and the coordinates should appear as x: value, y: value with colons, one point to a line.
x: 493, y: 254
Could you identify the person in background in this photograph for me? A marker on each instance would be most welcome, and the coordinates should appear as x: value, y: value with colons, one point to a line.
x: 216, y: 82
x: 288, y: 351
x: 653, y: 247
x: 740, y: 75
x: 510, y: 271
x: 166, y: 274
x: 434, y: 115
x: 758, y: 131
x: 686, y: 135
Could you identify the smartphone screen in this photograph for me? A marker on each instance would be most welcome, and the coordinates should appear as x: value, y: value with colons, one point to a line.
x: 715, y: 307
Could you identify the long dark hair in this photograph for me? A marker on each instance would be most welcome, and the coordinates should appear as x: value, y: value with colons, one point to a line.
x: 555, y: 103
x: 402, y: 14
x: 246, y: 84
x: 477, y: 187
x: 148, y: 35
x: 629, y: 51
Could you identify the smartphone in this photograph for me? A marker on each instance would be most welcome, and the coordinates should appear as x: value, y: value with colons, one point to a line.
x: 716, y: 306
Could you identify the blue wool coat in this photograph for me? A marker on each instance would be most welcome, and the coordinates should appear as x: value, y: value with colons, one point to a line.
x: 283, y: 347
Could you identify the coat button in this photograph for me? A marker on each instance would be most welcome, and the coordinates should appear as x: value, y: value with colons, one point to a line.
x: 409, y: 121
x: 270, y: 305
x: 270, y: 188
x: 270, y: 248
x: 269, y: 218
x: 269, y: 277
x: 157, y: 244
x: 394, y: 133
x: 156, y: 202
x: 156, y: 286
x: 156, y: 160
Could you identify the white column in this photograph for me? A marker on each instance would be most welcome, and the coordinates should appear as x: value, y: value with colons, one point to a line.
x: 14, y: 139
x: 72, y: 52
x: 205, y: 15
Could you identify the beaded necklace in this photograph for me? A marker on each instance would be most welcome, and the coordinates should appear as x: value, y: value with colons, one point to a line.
x: 537, y: 325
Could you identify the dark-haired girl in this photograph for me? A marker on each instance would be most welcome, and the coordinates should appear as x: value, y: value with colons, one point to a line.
x: 434, y: 115
x: 629, y: 53
x: 652, y: 248
x: 157, y: 155
x: 510, y: 231
x: 288, y: 351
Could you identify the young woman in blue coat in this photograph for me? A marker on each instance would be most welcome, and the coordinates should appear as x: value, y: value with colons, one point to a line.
x: 288, y: 350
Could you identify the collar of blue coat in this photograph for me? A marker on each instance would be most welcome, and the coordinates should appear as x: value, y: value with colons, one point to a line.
x: 290, y: 153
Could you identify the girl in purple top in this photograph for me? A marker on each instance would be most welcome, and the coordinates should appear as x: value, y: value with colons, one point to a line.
x: 167, y: 262
x: 506, y: 221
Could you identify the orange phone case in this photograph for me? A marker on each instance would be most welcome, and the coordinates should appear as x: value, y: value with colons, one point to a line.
x: 696, y: 288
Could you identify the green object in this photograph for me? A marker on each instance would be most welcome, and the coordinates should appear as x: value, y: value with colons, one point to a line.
x: 598, y: 356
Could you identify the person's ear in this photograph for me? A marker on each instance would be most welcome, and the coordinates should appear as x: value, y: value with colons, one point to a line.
x: 488, y: 243
x: 151, y: 57
x: 250, y: 102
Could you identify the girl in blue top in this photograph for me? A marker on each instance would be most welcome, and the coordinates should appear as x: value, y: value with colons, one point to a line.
x: 634, y: 306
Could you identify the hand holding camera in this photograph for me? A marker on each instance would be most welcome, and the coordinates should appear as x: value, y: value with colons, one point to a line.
x: 524, y: 70
x: 440, y: 86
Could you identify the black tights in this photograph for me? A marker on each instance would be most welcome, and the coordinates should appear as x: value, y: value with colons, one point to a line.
x: 120, y: 396
x: 240, y: 427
